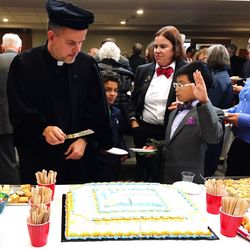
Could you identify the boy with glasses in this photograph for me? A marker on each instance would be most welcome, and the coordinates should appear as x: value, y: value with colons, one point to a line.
x: 192, y: 124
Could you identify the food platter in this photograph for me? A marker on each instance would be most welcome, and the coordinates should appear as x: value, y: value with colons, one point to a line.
x: 18, y: 194
x: 236, y: 186
x: 244, y: 229
x: 243, y: 232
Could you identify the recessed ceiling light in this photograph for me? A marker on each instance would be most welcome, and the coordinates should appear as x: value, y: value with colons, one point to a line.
x: 139, y: 12
x: 5, y: 20
x: 123, y: 22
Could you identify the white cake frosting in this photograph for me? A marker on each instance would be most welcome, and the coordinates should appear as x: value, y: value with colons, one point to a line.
x: 131, y: 210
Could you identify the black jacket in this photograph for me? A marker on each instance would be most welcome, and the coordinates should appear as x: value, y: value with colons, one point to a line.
x: 143, y: 77
x: 70, y: 96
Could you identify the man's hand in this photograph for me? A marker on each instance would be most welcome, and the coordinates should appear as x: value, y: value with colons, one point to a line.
x: 199, y: 89
x: 232, y: 118
x: 76, y: 150
x: 149, y: 154
x: 54, y: 135
x: 124, y: 158
x: 134, y: 123
x: 237, y: 89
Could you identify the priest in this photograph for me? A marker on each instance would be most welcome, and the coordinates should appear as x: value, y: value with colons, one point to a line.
x: 55, y: 90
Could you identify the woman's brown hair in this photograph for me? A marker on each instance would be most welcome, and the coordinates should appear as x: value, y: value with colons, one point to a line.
x: 173, y: 35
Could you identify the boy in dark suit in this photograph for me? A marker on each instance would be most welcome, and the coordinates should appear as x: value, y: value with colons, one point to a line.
x: 191, y: 125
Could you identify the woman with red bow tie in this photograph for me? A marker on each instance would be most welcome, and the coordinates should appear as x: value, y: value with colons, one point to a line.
x: 152, y: 95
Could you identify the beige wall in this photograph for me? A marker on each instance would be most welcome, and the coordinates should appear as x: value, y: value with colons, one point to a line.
x: 241, y: 42
x: 38, y: 37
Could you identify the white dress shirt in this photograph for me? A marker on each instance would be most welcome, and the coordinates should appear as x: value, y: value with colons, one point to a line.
x: 156, y: 98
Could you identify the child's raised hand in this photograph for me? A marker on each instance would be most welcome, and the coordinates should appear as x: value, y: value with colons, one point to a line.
x: 199, y: 89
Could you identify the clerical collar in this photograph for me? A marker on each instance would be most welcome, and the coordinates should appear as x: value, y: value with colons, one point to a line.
x: 60, y: 63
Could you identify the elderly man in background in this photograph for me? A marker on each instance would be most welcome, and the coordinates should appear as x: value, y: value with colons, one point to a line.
x: 11, y: 46
x: 236, y: 62
x: 136, y: 58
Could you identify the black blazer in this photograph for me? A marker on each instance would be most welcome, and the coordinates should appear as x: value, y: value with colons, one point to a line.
x: 143, y: 78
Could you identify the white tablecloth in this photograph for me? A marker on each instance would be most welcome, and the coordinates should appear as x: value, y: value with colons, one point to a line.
x: 14, y: 233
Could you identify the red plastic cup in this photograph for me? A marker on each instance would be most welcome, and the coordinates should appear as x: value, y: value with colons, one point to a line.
x: 38, y: 233
x: 229, y: 224
x: 51, y: 186
x: 213, y: 203
x: 36, y: 206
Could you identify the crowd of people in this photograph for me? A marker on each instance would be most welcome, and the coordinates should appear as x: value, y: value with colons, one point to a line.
x: 172, y: 100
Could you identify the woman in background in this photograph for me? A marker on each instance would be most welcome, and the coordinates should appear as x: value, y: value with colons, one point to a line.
x: 221, y: 96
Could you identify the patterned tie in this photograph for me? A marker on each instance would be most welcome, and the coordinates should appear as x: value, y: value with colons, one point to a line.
x: 164, y: 71
x: 184, y: 106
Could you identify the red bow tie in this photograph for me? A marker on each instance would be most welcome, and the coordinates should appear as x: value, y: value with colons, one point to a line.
x: 164, y: 71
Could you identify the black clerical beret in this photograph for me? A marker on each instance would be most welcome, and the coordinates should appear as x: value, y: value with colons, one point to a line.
x: 68, y: 15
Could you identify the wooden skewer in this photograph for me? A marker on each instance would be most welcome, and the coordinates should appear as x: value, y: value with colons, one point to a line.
x: 234, y: 206
x: 45, y: 177
x: 41, y: 195
x: 39, y: 215
x: 215, y: 187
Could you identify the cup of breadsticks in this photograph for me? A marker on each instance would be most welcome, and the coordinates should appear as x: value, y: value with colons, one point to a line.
x: 215, y: 190
x: 38, y: 224
x: 40, y: 196
x: 47, y: 179
x: 232, y: 212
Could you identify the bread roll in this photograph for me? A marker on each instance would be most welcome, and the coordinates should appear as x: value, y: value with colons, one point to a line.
x: 14, y: 198
x: 25, y: 186
x: 23, y: 199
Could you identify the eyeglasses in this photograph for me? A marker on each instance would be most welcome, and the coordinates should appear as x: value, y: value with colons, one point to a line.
x: 180, y: 86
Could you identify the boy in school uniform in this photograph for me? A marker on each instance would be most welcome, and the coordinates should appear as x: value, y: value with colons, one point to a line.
x: 191, y: 125
x: 109, y: 164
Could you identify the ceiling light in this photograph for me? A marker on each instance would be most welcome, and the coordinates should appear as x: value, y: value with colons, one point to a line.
x: 5, y: 20
x: 123, y: 22
x: 139, y: 12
